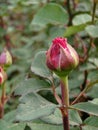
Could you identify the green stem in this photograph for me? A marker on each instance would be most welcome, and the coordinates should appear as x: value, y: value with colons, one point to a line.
x: 65, y: 91
x: 65, y: 102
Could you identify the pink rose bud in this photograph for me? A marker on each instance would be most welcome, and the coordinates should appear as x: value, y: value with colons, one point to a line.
x: 5, y: 58
x: 61, y: 57
x: 3, y: 76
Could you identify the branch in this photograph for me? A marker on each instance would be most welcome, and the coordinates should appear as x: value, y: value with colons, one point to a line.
x: 84, y: 91
x: 69, y: 12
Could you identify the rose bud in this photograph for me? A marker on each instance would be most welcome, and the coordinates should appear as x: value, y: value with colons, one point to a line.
x: 61, y: 57
x: 3, y: 76
x: 5, y: 58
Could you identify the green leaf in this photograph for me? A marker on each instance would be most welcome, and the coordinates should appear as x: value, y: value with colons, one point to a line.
x: 33, y: 106
x: 3, y: 125
x: 73, y: 83
x: 91, y: 121
x: 94, y: 61
x: 94, y: 101
x: 17, y: 126
x: 51, y: 13
x: 29, y: 2
x: 54, y: 118
x: 39, y: 67
x: 92, y: 31
x: 74, y: 92
x: 75, y: 128
x: 74, y: 118
x: 42, y: 126
x: 81, y: 19
x: 93, y: 93
x: 89, y: 128
x: 74, y: 29
x: 27, y: 128
x: 56, y: 32
x: 93, y: 76
x: 9, y: 126
x: 30, y: 85
x: 87, y: 107
x: 10, y: 116
x: 87, y: 66
x: 2, y: 32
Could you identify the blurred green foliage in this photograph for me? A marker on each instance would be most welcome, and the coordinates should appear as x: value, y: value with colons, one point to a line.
x: 27, y: 29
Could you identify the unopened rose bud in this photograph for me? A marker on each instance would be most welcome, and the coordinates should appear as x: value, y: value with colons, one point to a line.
x: 61, y: 57
x: 5, y: 58
x: 3, y: 76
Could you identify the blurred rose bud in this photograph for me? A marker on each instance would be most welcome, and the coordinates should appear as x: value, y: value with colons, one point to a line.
x: 5, y: 58
x: 3, y: 76
x: 61, y: 57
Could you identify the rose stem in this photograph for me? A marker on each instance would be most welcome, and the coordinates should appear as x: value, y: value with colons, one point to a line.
x: 65, y: 102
